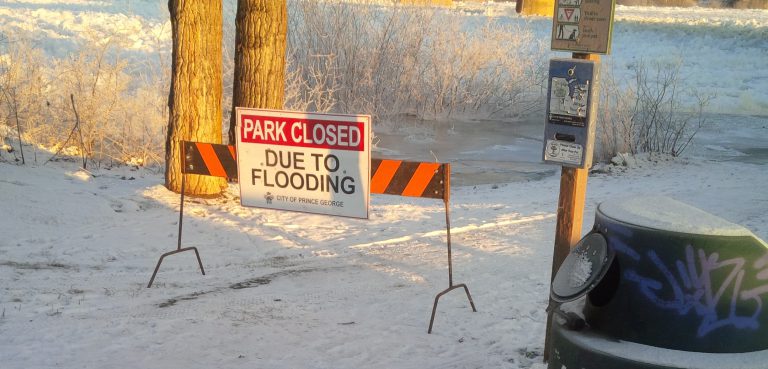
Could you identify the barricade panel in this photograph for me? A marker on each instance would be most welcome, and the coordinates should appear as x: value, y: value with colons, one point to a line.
x: 408, y: 178
x: 209, y: 159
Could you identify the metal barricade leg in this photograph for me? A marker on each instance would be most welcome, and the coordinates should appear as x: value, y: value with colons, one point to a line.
x: 439, y: 295
x: 197, y: 254
x: 451, y: 287
x: 178, y: 244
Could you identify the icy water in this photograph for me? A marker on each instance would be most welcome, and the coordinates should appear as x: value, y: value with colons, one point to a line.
x: 733, y: 138
x: 480, y: 151
x: 496, y: 151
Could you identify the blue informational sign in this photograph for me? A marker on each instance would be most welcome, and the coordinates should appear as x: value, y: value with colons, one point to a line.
x: 571, y: 101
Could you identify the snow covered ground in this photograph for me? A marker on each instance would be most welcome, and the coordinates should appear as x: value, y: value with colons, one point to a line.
x: 292, y: 290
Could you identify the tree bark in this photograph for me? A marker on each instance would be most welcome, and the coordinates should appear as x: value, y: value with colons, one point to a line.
x: 260, y: 42
x: 194, y: 101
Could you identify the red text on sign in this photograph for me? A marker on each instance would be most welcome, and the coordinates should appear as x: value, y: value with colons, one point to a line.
x: 303, y: 133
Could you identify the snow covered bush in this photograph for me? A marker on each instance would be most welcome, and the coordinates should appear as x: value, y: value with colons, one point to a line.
x: 122, y: 116
x: 649, y: 113
x: 21, y: 92
x: 429, y: 63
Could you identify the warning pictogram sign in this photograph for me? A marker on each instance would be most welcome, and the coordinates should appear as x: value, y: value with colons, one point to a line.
x: 569, y: 14
x: 583, y: 26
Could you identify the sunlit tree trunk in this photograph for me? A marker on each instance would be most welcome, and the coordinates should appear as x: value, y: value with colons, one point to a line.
x: 196, y: 88
x: 260, y: 41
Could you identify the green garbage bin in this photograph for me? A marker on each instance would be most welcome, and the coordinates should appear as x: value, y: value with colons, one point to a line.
x: 672, y: 287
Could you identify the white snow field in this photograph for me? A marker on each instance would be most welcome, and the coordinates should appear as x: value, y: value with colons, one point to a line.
x: 289, y: 290
x: 292, y: 290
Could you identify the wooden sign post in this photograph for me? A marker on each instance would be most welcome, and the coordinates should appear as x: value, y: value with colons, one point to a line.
x: 570, y: 216
x: 583, y: 27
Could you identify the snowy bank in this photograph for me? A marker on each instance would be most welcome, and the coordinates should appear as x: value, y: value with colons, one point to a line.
x: 292, y: 290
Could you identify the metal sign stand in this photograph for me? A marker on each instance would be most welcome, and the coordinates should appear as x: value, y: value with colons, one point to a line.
x: 181, y: 218
x: 451, y: 286
x: 427, y: 180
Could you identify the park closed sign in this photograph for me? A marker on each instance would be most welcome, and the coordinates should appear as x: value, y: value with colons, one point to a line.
x: 309, y: 162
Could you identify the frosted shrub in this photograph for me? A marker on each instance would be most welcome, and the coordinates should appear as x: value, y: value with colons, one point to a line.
x: 649, y: 113
x: 22, y: 88
x: 96, y: 80
x: 391, y: 61
x: 313, y: 86
x: 122, y: 117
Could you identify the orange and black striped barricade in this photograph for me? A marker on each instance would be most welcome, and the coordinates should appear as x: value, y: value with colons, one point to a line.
x: 203, y: 159
x: 417, y: 179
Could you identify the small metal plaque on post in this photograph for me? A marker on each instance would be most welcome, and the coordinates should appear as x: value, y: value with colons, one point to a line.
x: 583, y: 26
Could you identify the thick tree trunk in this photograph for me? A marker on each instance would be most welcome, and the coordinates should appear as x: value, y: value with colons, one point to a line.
x: 260, y: 41
x: 196, y: 88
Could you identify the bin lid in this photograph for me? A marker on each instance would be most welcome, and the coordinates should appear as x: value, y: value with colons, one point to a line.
x: 583, y: 269
x: 667, y: 214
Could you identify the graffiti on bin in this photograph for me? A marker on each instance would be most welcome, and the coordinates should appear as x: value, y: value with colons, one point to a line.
x: 690, y: 285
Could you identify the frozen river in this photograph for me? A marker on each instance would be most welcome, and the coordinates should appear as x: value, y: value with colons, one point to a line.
x: 494, y: 151
x: 720, y: 51
x: 480, y: 152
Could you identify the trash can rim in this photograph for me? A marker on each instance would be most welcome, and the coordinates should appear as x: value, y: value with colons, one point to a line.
x: 667, y: 214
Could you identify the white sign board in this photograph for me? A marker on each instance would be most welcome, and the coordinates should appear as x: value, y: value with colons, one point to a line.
x: 310, y: 162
